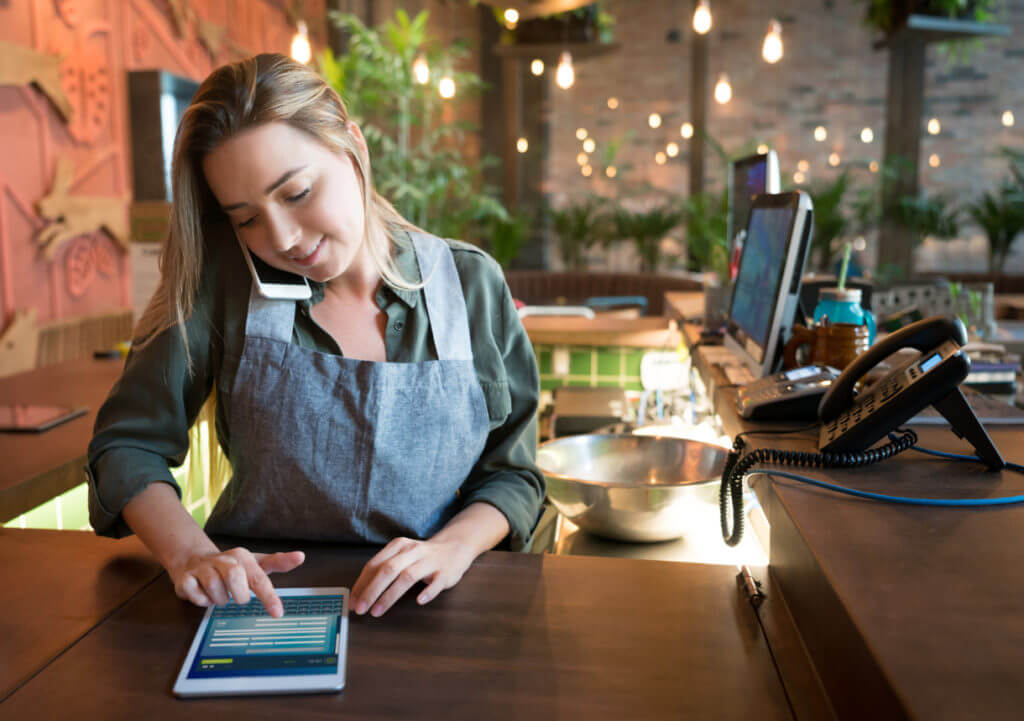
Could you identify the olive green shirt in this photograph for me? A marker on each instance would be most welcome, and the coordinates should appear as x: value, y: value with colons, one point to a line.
x: 142, y: 428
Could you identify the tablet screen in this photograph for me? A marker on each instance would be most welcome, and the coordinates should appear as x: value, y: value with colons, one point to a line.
x: 25, y: 417
x: 246, y: 641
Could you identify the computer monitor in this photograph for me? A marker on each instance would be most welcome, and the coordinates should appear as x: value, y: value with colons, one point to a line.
x: 748, y: 177
x: 767, y: 287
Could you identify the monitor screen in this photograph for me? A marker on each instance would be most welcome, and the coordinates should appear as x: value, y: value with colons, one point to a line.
x: 749, y: 177
x: 757, y: 285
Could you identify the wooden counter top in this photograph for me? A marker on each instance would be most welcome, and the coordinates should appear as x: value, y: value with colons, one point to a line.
x: 645, y: 332
x: 39, y: 466
x: 521, y: 637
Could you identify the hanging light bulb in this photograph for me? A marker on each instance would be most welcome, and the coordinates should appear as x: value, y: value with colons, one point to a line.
x: 802, y: 166
x: 420, y: 70
x: 873, y: 166
x: 660, y: 158
x: 537, y: 66
x: 934, y: 127
x: 522, y: 145
x: 833, y: 160
x: 654, y: 120
x: 672, y: 149
x: 582, y: 159
x: 771, y: 51
x: 1008, y: 119
x: 565, y: 76
x: 581, y: 133
x: 588, y: 145
x: 613, y: 103
x: 447, y: 87
x: 866, y: 135
x: 934, y: 161
x: 511, y: 18
x: 686, y: 130
x: 301, y: 51
x: 723, y: 91
x: 587, y: 171
x: 610, y: 171
x: 762, y: 149
x: 820, y: 134
x: 702, y: 17
x: 798, y: 178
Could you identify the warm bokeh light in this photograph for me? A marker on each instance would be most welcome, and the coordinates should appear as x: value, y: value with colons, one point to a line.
x: 867, y: 135
x: 581, y: 133
x: 654, y: 120
x: 762, y: 149
x: 511, y: 17
x: 1008, y: 119
x: 934, y: 127
x: 798, y: 178
x: 660, y: 158
x: 447, y: 87
x: 582, y: 159
x: 610, y: 171
x: 613, y: 103
x: 537, y: 66
x: 771, y: 51
x: 873, y: 167
x: 702, y: 17
x: 420, y: 70
x: 589, y: 145
x: 522, y: 145
x: 686, y: 130
x: 820, y: 134
x: 860, y: 243
x: 723, y: 91
x: 934, y: 160
x: 802, y: 166
x: 833, y: 159
x: 565, y: 76
x: 672, y: 149
x: 587, y: 171
x: 301, y: 51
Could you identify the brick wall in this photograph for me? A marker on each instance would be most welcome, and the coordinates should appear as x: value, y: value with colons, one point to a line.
x: 829, y: 76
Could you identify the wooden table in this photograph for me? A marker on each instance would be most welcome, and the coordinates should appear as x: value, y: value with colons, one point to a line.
x: 522, y: 636
x: 40, y: 466
x: 57, y: 586
x: 905, y: 612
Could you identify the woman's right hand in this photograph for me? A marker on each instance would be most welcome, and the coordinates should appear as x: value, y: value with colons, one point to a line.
x: 207, y: 579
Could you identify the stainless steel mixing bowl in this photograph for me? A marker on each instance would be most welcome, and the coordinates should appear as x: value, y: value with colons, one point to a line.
x: 632, y: 488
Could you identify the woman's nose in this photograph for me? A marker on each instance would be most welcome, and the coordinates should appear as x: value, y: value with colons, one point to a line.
x: 284, y: 235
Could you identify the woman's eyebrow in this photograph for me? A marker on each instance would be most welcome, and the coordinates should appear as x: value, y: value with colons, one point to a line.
x: 270, y: 188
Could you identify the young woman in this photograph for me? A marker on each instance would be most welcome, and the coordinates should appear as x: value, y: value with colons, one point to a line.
x: 396, y: 407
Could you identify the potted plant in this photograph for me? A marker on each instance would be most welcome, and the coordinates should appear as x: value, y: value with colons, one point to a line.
x: 1001, y: 216
x: 707, y: 217
x: 888, y: 16
x: 507, y: 237
x: 930, y: 216
x: 579, y: 226
x: 646, y: 229
x: 830, y: 223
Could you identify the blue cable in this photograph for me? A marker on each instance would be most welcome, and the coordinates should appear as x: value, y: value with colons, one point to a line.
x: 954, y: 502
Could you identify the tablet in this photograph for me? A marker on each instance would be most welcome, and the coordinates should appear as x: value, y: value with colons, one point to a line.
x: 240, y: 650
x: 31, y: 418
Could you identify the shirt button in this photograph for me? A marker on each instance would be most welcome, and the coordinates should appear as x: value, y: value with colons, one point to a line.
x: 398, y: 325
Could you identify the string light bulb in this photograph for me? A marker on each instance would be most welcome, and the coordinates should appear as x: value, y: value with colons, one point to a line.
x: 672, y: 149
x: 420, y: 70
x: 565, y: 76
x: 686, y: 130
x: 802, y: 166
x: 771, y: 51
x: 820, y: 134
x: 762, y: 149
x: 798, y: 178
x: 447, y: 87
x: 660, y: 158
x: 301, y: 51
x: 934, y: 160
x: 723, y: 91
x: 582, y: 159
x: 522, y: 145
x: 833, y: 160
x: 934, y: 127
x: 537, y: 66
x: 1008, y: 119
x: 581, y: 133
x: 588, y: 145
x: 654, y: 120
x: 587, y: 171
x: 873, y: 166
x: 867, y: 135
x: 613, y: 103
x: 610, y: 171
x: 702, y: 17
x: 511, y: 18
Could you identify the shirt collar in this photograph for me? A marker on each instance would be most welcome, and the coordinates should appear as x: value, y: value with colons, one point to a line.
x: 408, y: 267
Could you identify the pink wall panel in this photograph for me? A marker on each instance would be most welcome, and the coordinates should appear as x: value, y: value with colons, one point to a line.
x: 99, y: 40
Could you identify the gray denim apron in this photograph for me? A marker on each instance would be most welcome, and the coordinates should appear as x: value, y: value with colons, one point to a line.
x: 331, y: 448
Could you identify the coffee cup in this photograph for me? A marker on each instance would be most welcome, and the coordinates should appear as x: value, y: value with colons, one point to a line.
x: 831, y: 344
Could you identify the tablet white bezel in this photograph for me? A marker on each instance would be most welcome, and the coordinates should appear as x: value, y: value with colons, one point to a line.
x: 244, y: 686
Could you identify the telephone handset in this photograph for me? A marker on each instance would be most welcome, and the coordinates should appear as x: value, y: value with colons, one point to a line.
x: 933, y: 378
x: 850, y: 426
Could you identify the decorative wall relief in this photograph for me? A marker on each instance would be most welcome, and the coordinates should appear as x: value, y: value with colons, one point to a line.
x: 20, y: 65
x: 86, y: 80
x: 80, y: 265
x: 69, y: 216
x: 69, y: 11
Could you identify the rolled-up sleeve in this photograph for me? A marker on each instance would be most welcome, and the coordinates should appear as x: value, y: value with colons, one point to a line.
x: 506, y: 475
x: 142, y: 428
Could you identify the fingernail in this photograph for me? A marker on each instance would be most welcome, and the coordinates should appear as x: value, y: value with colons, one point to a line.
x: 377, y: 611
x: 422, y: 599
x: 361, y: 608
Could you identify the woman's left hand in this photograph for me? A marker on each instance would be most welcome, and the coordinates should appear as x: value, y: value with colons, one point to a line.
x: 402, y: 564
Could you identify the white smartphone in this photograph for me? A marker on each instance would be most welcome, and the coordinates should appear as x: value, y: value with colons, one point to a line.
x: 273, y: 283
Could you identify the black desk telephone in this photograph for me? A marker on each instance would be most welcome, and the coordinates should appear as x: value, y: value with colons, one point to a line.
x: 851, y: 425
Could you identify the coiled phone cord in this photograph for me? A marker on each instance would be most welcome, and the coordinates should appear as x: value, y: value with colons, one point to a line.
x: 736, y: 468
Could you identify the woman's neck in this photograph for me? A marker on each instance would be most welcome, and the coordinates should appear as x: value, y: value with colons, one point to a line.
x: 359, y: 282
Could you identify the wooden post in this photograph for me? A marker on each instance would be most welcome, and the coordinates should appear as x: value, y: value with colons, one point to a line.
x: 698, y: 110
x: 905, y: 99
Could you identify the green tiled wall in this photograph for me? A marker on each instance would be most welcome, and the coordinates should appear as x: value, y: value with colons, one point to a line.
x: 591, y: 366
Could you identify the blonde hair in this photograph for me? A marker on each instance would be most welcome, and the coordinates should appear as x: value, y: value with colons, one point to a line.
x: 261, y: 89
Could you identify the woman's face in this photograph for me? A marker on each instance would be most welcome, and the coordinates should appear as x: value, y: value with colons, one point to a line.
x: 292, y: 201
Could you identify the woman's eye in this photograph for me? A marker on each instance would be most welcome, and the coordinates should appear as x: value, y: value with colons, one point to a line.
x: 247, y: 223
x: 300, y: 196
